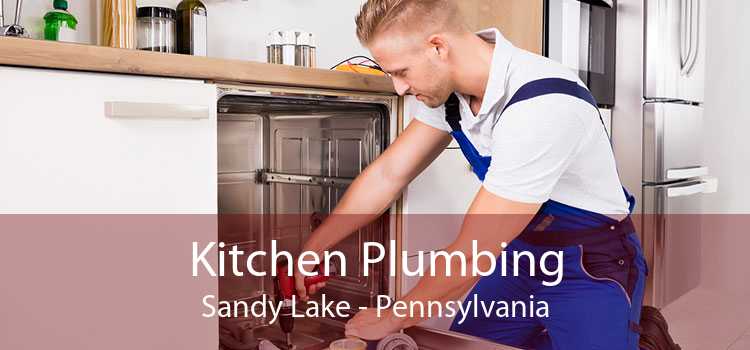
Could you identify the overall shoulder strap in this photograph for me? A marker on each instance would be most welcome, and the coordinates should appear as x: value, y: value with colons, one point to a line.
x: 453, y: 112
x: 528, y: 91
x: 548, y: 86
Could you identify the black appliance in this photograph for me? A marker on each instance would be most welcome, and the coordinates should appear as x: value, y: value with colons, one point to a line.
x: 582, y: 35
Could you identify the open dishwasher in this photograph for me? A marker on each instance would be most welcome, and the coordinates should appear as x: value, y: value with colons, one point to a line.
x: 286, y: 156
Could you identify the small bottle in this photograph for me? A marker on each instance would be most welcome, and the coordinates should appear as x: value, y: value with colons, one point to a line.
x: 59, y: 24
x: 192, y: 28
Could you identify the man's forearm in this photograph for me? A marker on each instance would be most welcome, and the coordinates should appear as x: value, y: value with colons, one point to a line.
x: 489, y: 222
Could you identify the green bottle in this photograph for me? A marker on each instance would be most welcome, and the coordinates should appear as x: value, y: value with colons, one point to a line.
x: 59, y: 24
x: 192, y: 28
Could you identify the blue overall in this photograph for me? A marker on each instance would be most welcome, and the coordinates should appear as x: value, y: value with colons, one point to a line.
x: 597, y: 304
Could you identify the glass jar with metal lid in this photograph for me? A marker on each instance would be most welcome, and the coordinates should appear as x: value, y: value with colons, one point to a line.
x: 274, y: 47
x: 304, y: 55
x: 291, y: 47
x: 156, y: 29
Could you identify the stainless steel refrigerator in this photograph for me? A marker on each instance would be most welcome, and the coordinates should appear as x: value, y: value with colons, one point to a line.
x: 674, y: 173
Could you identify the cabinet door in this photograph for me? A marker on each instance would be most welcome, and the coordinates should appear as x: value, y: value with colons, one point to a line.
x: 521, y: 21
x: 94, y: 143
x: 152, y: 150
x: 435, y: 202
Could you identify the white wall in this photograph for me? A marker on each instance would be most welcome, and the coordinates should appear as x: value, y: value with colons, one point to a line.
x: 33, y: 12
x: 727, y: 147
x: 237, y: 29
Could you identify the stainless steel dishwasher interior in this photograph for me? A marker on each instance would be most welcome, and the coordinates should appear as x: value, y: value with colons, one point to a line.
x: 283, y: 164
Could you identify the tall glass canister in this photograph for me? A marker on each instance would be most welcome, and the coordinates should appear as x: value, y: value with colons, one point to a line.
x: 156, y: 29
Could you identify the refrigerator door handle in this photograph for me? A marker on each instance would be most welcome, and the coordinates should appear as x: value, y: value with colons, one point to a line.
x: 681, y: 191
x: 684, y: 40
x: 707, y: 185
x: 686, y: 173
x: 696, y: 35
x: 711, y: 184
x: 693, y: 27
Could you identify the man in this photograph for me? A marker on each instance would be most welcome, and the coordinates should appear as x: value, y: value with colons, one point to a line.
x: 532, y: 133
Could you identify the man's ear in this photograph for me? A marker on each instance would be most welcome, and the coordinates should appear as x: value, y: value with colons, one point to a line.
x: 439, y: 45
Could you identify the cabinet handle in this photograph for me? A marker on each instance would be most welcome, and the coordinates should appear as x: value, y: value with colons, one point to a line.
x: 140, y: 110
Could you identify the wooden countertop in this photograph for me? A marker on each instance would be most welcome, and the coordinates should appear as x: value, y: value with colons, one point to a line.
x: 91, y: 58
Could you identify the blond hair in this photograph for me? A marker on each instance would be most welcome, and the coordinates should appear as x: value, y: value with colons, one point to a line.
x: 377, y: 15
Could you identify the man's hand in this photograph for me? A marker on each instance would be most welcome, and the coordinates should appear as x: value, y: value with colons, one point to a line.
x: 299, y: 283
x: 367, y: 325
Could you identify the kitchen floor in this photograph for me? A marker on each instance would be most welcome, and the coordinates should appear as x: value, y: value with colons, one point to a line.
x: 706, y: 319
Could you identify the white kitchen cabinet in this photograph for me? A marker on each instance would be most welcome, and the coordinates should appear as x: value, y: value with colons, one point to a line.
x: 447, y: 186
x: 84, y: 143
x: 436, y: 201
x: 74, y: 142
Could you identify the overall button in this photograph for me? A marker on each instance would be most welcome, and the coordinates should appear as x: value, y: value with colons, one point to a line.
x: 612, y: 227
x: 621, y: 262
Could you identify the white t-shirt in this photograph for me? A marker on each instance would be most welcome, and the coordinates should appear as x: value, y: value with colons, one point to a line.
x: 550, y: 147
